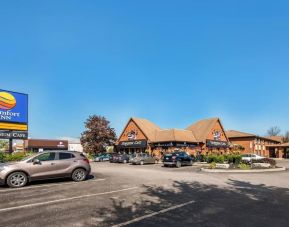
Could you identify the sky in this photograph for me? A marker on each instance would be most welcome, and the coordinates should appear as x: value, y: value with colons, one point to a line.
x: 172, y: 62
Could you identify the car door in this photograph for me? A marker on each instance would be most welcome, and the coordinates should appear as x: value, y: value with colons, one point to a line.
x: 45, y: 168
x: 186, y: 159
x: 151, y: 159
x: 63, y: 163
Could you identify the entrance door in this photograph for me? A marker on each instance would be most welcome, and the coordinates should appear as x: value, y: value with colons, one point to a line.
x: 272, y: 153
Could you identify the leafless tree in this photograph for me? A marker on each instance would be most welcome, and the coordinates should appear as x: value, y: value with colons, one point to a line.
x: 286, y: 137
x: 273, y: 131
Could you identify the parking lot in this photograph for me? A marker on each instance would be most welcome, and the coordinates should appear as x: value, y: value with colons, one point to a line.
x: 151, y: 195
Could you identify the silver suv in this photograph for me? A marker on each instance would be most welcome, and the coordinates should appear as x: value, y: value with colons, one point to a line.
x: 45, y: 165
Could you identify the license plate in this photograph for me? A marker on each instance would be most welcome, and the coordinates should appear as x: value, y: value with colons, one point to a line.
x: 167, y: 163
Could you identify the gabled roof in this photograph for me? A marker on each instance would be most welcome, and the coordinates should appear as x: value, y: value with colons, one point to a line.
x: 175, y: 135
x: 276, y: 138
x: 238, y: 134
x: 147, y: 127
x: 202, y: 128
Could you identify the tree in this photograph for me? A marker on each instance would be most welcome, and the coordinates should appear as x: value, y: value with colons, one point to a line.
x: 98, y: 134
x: 286, y: 137
x: 273, y: 131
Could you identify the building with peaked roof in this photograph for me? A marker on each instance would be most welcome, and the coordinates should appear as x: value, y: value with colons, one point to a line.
x: 252, y: 143
x: 205, y: 136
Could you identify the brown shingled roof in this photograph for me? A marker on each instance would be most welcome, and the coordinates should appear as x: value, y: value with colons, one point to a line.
x: 175, y: 135
x: 197, y: 132
x: 276, y: 138
x: 202, y: 128
x: 147, y: 127
x: 238, y: 134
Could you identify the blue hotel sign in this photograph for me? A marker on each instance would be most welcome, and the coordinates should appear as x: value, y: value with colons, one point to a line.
x: 13, y: 107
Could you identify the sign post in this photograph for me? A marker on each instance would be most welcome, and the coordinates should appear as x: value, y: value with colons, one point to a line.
x: 10, y: 145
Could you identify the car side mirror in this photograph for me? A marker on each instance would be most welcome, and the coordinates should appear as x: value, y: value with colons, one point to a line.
x: 36, y: 162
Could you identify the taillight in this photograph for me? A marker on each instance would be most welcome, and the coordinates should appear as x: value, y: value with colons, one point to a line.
x: 86, y: 160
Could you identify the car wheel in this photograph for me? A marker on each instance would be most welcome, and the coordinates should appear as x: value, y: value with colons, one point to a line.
x: 165, y: 165
x: 17, y: 180
x: 78, y: 175
x: 178, y: 164
x: 124, y: 161
x: 141, y: 163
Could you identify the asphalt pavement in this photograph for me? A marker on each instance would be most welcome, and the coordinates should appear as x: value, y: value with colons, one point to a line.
x: 151, y: 195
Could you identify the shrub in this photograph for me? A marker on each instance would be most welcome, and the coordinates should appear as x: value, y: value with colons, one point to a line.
x: 220, y: 159
x: 14, y: 157
x: 244, y: 166
x: 212, y: 165
x: 200, y: 158
x: 2, y: 157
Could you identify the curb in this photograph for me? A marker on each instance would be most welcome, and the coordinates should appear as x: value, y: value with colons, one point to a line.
x: 243, y: 171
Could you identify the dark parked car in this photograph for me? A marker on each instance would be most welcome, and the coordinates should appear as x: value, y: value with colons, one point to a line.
x: 114, y: 158
x: 123, y: 158
x: 178, y: 159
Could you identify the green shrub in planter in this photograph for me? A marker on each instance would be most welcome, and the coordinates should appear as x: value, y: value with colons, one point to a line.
x: 2, y: 157
x: 244, y: 166
x: 14, y: 157
x: 212, y: 165
x: 220, y: 159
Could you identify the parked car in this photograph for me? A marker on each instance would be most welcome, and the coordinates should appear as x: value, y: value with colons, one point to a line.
x: 250, y: 157
x: 123, y: 158
x: 102, y: 158
x: 141, y: 159
x: 114, y: 158
x: 177, y: 159
x: 45, y: 165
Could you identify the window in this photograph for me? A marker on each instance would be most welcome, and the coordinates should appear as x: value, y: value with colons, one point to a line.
x: 50, y: 156
x: 63, y: 156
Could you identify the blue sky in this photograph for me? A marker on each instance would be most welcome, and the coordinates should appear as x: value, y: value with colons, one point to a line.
x: 173, y: 62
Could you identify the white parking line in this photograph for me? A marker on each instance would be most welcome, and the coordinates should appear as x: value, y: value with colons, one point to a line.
x: 63, y: 200
x: 48, y: 185
x: 153, y: 214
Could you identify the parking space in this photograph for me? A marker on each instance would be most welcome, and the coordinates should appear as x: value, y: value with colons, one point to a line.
x: 149, y: 195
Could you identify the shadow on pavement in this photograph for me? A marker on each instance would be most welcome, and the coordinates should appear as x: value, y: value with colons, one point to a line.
x: 240, y: 204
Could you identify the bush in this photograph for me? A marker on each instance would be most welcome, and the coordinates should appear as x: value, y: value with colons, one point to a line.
x: 244, y: 166
x: 2, y: 157
x: 234, y: 159
x: 14, y: 157
x: 200, y: 158
x: 212, y: 165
